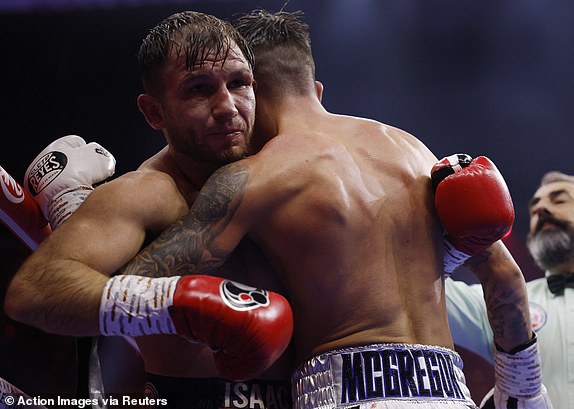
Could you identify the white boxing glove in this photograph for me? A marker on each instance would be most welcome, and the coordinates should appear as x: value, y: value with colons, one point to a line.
x: 518, y: 380
x: 63, y: 174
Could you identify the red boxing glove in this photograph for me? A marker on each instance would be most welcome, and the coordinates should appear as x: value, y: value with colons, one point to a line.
x: 247, y: 328
x: 472, y: 202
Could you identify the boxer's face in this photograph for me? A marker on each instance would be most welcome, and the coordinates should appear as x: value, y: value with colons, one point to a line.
x: 208, y: 111
x: 551, y: 237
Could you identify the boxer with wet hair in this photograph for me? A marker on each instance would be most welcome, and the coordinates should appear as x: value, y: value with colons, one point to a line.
x: 197, y: 74
x: 345, y: 207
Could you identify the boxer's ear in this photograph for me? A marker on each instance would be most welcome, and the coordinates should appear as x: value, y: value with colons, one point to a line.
x: 319, y: 90
x: 150, y: 107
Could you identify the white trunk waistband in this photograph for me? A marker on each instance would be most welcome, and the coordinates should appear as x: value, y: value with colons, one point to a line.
x: 380, y: 372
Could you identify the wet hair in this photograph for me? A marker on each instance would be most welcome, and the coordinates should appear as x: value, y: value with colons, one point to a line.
x: 282, y: 48
x: 192, y: 34
x: 555, y: 176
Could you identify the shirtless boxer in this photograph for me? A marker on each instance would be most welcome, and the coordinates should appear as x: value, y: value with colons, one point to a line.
x: 412, y: 324
x: 197, y: 73
x: 343, y: 207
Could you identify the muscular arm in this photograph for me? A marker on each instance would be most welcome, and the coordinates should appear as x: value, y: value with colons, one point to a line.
x: 505, y: 296
x: 58, y: 288
x: 200, y: 242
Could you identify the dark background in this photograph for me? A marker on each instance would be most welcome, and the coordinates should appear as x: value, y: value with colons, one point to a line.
x: 491, y: 77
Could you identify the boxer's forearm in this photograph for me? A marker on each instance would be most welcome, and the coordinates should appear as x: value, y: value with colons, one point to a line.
x: 505, y: 296
x: 53, y: 296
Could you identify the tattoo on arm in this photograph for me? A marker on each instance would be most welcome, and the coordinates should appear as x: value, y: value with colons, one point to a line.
x: 188, y: 246
x: 507, y: 318
x: 505, y: 296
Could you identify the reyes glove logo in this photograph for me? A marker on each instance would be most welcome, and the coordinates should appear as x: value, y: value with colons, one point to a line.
x: 45, y: 170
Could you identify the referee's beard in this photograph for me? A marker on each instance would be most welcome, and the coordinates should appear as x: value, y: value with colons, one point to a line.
x: 553, y: 246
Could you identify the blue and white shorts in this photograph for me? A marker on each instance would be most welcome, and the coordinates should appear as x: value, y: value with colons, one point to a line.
x: 382, y: 376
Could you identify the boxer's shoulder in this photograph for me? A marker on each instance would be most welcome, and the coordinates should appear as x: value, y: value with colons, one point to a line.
x: 148, y: 196
x: 145, y: 182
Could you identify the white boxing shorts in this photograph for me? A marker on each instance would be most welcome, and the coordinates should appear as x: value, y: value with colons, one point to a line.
x: 378, y: 376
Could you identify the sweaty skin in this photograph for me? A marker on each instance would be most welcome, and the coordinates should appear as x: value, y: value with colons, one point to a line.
x: 59, y: 287
x: 343, y: 208
x: 348, y: 223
